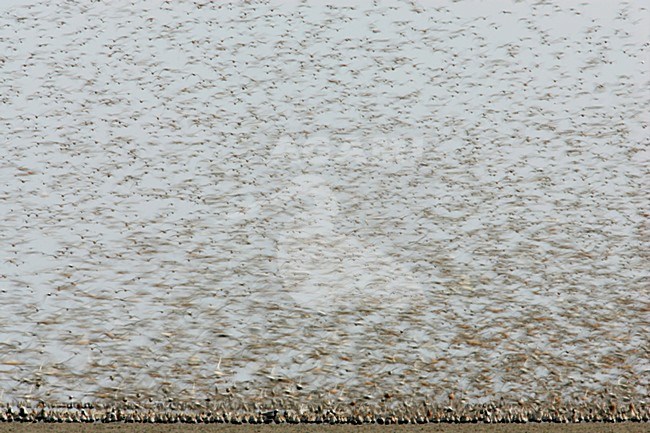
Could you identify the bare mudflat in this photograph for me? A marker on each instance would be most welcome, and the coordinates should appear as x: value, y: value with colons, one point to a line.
x: 446, y: 428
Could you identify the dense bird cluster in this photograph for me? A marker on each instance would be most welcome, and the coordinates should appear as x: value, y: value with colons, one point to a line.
x: 275, y: 205
x: 328, y: 414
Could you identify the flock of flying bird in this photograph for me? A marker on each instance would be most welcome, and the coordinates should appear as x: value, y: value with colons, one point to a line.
x: 276, y: 205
